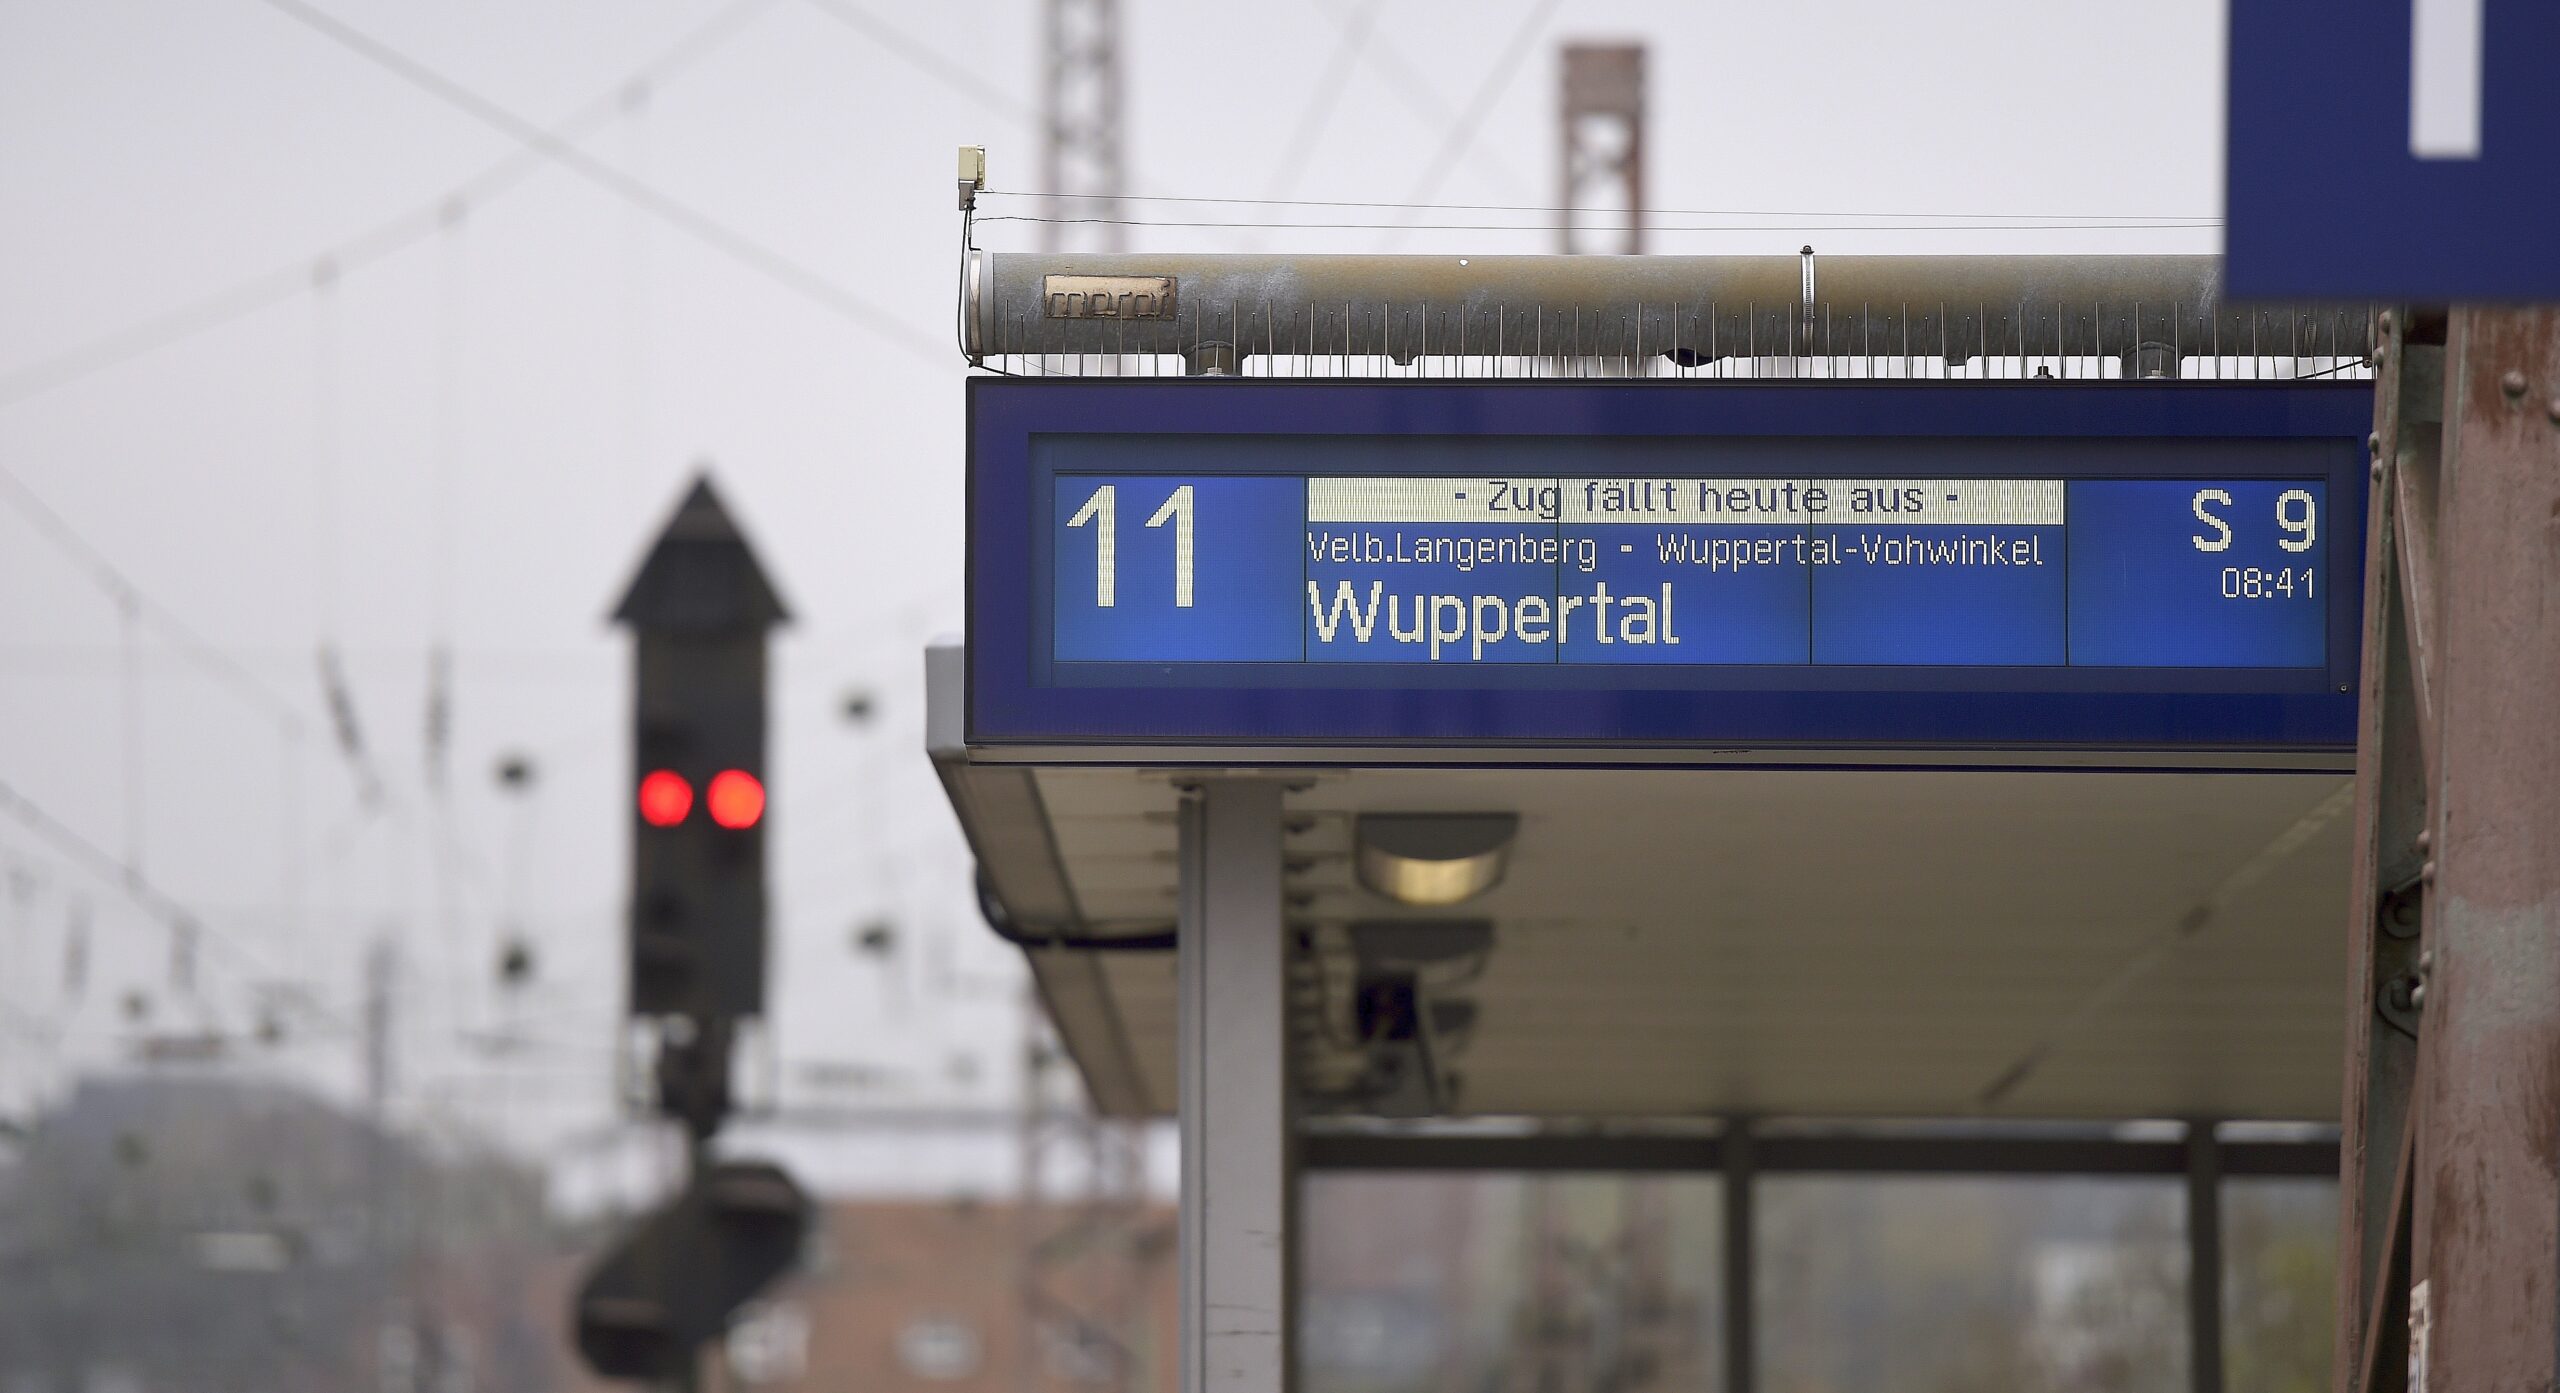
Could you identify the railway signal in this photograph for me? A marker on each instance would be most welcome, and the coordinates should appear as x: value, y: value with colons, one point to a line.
x: 700, y: 608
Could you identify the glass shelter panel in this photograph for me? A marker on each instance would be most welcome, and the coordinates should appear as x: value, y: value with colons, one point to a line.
x: 2280, y: 1258
x: 1957, y: 1285
x: 1475, y: 1283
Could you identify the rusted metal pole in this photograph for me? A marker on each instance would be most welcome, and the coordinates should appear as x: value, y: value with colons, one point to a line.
x: 2386, y: 891
x: 2485, y: 1181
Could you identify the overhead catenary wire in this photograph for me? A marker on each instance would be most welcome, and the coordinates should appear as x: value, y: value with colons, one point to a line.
x: 379, y: 243
x: 120, y: 589
x: 738, y: 246
x: 638, y: 474
x: 1410, y: 86
x: 324, y: 454
x: 337, y: 695
x: 291, y: 724
x: 926, y: 59
x: 129, y: 679
x: 444, y: 464
x: 1322, y: 98
x: 1462, y: 132
x: 184, y: 923
x: 26, y: 875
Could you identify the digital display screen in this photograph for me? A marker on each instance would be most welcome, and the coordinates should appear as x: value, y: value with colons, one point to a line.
x: 1701, y: 572
x: 1618, y: 566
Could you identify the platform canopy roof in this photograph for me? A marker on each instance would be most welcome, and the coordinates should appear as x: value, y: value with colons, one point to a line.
x: 1802, y: 942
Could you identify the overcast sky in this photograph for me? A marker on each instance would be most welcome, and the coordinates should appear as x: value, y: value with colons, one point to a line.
x: 467, y: 435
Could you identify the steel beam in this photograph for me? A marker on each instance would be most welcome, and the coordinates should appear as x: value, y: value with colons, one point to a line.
x: 1741, y: 1260
x: 2204, y: 1259
x: 1524, y: 1154
x: 2450, y: 1231
x: 2485, y: 1213
x: 2386, y: 890
x: 1239, y: 1137
x: 1785, y: 1154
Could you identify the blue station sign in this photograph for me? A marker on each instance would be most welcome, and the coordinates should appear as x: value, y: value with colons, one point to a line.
x: 1802, y: 565
x: 2394, y: 149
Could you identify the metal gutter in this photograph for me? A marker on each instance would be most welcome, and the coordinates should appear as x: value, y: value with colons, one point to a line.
x: 1216, y: 310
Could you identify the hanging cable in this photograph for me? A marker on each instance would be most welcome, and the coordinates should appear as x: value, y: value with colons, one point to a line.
x: 445, y: 465
x: 292, y: 864
x: 182, y: 958
x: 128, y: 881
x: 364, y: 249
x: 1322, y: 97
x: 1410, y: 85
x: 129, y: 643
x: 638, y: 474
x: 701, y: 226
x: 37, y: 1032
x: 120, y: 589
x: 75, y: 950
x: 1462, y: 132
x: 438, y: 720
x: 337, y: 698
x: 521, y: 780
x: 139, y: 609
x: 340, y: 700
x: 324, y: 459
x: 924, y: 58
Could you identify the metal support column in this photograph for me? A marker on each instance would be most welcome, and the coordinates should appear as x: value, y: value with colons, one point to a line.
x: 2481, y: 1180
x: 2204, y: 1259
x: 1239, y: 1138
x: 2386, y: 891
x: 2452, y: 1204
x: 1741, y: 1297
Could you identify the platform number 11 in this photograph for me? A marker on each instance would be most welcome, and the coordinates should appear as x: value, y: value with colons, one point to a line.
x: 1103, y: 510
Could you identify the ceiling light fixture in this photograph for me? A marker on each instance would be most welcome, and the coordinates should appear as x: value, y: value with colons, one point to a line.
x: 1433, y: 858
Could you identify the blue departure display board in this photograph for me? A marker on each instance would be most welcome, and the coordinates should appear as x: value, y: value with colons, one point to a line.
x: 1816, y: 565
x: 2211, y: 573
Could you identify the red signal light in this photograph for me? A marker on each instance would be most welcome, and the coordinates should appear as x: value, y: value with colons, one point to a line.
x: 665, y: 798
x: 735, y: 799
